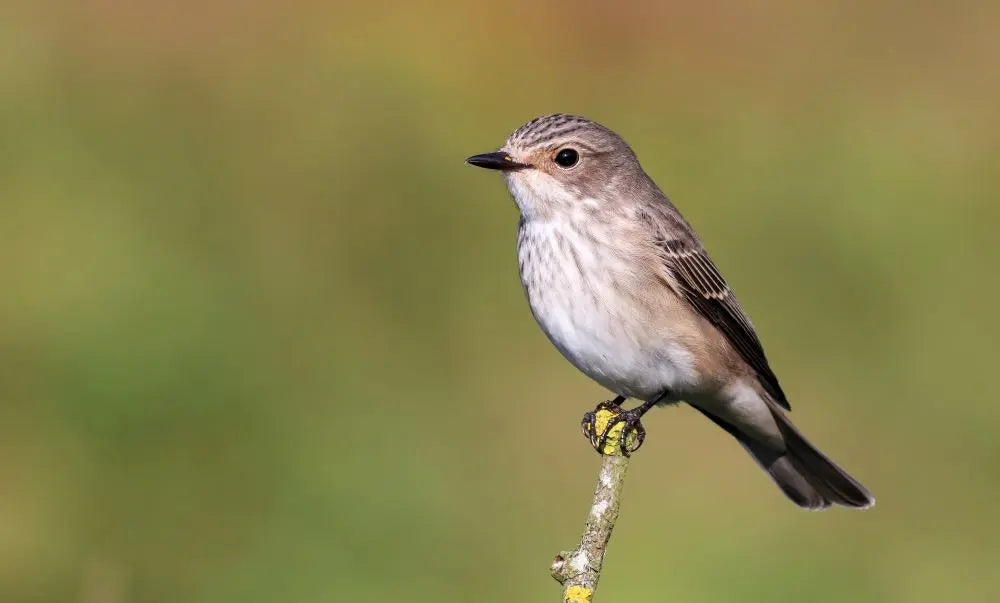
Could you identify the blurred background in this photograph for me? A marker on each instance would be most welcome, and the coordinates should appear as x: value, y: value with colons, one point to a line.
x: 262, y: 336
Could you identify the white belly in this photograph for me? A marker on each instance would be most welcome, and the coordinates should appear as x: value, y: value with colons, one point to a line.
x: 578, y: 292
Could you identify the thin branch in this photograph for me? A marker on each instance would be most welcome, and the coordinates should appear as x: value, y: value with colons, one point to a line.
x: 580, y: 569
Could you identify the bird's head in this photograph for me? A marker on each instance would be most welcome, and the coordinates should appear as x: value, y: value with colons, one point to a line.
x: 564, y: 163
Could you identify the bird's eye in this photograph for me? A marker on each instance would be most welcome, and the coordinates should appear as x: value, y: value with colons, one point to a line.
x: 567, y: 158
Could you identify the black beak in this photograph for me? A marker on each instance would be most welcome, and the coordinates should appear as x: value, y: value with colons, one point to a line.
x: 496, y: 161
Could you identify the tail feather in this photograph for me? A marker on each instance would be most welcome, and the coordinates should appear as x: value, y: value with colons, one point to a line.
x: 806, y: 476
x: 794, y: 483
x: 834, y: 483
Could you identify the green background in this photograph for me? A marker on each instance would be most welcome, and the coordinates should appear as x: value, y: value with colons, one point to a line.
x: 262, y: 336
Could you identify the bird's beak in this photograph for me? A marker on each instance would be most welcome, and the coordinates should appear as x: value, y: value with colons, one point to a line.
x: 496, y: 161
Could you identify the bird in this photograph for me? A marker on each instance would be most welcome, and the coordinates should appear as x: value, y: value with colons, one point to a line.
x: 624, y: 288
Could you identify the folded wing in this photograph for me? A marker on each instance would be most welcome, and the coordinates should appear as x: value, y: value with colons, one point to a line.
x: 704, y: 288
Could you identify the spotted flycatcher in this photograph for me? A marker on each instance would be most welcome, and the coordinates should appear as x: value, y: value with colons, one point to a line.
x: 624, y: 288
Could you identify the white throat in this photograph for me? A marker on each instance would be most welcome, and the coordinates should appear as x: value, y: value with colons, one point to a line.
x: 540, y: 196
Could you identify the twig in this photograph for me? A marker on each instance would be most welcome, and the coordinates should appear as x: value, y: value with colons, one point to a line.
x: 580, y: 569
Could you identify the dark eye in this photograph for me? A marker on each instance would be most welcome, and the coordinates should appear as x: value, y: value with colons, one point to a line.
x: 567, y: 158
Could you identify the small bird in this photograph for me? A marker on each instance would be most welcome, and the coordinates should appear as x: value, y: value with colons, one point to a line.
x: 623, y: 287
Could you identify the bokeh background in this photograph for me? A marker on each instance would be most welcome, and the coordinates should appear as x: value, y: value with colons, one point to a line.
x: 262, y: 336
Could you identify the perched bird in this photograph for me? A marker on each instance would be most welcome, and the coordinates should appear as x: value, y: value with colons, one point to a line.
x: 625, y: 290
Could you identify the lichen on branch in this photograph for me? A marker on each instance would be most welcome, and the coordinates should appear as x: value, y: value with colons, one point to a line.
x: 580, y: 569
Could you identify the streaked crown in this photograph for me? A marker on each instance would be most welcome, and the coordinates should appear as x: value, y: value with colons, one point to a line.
x: 559, y: 128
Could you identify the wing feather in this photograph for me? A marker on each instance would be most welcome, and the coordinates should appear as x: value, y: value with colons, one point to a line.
x: 703, y: 286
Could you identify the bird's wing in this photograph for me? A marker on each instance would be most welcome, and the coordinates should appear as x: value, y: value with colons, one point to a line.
x: 703, y: 287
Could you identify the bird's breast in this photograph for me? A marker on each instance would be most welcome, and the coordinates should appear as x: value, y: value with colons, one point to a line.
x: 592, y: 298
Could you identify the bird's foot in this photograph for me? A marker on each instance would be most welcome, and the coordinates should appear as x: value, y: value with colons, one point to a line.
x: 604, y: 411
x: 611, y: 428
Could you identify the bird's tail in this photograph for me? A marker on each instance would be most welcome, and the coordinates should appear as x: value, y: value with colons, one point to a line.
x: 804, y: 474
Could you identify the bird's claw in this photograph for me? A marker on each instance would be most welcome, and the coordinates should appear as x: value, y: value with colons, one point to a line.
x: 598, y: 424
